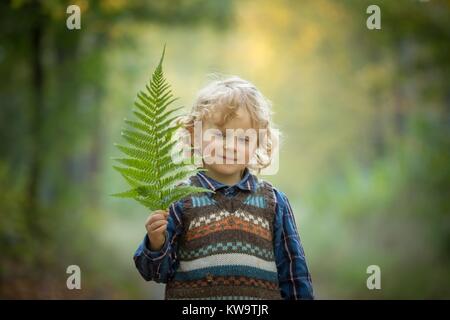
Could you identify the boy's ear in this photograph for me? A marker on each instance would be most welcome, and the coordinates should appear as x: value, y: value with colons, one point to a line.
x: 191, y: 133
x: 192, y: 136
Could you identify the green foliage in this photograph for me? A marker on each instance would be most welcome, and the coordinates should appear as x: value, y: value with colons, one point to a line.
x: 149, y: 168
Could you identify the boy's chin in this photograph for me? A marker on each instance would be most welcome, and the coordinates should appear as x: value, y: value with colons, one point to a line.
x: 227, y: 169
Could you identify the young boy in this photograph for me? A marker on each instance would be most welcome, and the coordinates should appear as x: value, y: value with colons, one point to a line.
x: 239, y: 241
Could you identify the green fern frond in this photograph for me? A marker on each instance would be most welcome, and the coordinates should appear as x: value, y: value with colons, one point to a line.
x: 147, y: 166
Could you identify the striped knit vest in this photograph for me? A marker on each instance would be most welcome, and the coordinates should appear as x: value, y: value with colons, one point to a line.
x: 226, y: 247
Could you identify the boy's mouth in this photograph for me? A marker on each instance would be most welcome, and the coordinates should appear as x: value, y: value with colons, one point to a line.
x: 229, y: 159
x: 225, y: 159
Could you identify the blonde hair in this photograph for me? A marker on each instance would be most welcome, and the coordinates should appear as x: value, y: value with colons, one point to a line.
x: 229, y: 94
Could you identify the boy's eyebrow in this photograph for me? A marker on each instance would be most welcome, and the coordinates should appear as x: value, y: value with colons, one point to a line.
x: 223, y: 131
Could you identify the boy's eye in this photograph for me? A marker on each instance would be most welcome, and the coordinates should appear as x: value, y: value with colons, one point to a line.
x: 243, y: 139
x: 218, y: 134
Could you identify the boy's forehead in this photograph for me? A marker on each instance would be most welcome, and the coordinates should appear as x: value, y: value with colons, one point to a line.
x: 241, y: 120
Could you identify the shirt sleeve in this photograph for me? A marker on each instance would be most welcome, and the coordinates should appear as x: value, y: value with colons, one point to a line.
x: 293, y: 274
x: 160, y: 265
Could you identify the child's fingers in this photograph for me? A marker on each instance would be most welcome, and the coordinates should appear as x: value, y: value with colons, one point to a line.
x: 161, y: 229
x: 147, y: 221
x: 155, y: 225
x: 155, y: 217
x: 162, y: 214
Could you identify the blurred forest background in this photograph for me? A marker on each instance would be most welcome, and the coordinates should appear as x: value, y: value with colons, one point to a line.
x: 365, y: 116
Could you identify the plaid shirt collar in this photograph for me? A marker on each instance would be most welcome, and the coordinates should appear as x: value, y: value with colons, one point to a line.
x: 248, y: 182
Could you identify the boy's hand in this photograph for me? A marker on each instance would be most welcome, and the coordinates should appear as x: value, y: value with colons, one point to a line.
x: 156, y: 226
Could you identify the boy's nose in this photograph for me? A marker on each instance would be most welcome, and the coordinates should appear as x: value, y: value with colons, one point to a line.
x: 229, y: 152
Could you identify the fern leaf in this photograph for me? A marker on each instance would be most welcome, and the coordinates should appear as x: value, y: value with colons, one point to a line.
x: 148, y: 165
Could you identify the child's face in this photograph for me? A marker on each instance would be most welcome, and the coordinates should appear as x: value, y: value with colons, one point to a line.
x: 227, y: 150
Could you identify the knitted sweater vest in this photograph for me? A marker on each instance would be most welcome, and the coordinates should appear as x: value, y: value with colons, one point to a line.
x: 226, y: 248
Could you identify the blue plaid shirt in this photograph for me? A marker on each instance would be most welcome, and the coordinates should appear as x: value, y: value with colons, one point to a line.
x: 293, y: 274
